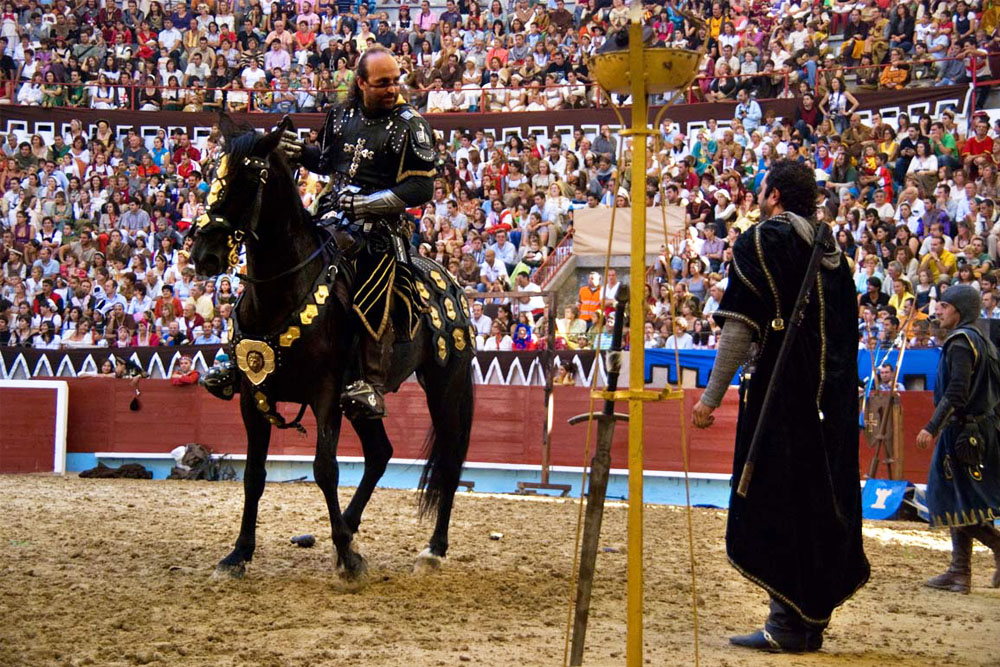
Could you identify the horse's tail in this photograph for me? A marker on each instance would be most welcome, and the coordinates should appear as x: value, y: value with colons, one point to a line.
x: 451, y: 403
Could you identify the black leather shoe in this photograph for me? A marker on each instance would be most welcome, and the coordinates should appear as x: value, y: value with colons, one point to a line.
x: 220, y: 381
x: 762, y: 640
x: 361, y: 400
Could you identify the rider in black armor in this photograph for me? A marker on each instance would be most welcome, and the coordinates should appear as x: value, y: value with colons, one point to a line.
x: 379, y: 153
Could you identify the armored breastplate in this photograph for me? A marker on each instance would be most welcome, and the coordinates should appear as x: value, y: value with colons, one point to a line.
x: 371, y: 150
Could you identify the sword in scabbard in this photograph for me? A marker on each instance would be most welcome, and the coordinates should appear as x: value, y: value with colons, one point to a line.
x: 794, y: 324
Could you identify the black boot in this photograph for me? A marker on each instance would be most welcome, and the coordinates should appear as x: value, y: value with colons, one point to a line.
x: 365, y: 399
x: 784, y: 632
x: 990, y: 536
x: 959, y: 574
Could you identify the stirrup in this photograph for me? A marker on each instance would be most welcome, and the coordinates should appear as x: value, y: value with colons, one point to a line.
x: 220, y: 381
x: 361, y: 400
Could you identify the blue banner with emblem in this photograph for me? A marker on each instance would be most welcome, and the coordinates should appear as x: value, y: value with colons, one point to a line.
x: 882, y: 498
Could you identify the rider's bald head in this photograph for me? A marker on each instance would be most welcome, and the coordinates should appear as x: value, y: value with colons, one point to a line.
x: 378, y: 78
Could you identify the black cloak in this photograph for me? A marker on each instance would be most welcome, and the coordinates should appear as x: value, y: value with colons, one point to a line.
x: 797, y: 534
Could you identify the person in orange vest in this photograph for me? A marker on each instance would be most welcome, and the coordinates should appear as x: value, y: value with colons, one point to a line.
x: 589, y: 299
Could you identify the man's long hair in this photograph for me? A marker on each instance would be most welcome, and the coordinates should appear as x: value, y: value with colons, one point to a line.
x: 354, y: 96
x: 796, y: 183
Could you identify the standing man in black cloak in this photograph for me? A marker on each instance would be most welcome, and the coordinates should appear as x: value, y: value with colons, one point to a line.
x: 380, y: 153
x: 963, y: 487
x: 797, y: 533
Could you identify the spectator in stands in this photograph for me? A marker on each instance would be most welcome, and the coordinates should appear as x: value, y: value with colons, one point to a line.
x: 505, y: 194
x: 497, y: 341
x: 886, y: 379
x: 504, y: 251
x: 589, y: 299
x: 184, y: 373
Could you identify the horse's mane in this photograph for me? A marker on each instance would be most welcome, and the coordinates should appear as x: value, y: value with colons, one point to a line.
x: 240, y: 140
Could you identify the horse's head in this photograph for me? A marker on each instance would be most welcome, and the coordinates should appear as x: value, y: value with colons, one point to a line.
x: 239, y: 190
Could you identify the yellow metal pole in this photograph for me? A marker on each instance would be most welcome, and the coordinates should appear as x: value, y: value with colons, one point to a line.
x: 637, y: 273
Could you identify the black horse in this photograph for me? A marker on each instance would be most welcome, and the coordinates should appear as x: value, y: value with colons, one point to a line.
x: 296, y: 342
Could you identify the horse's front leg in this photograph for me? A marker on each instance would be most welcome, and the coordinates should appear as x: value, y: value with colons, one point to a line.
x: 258, y: 438
x: 326, y: 407
x: 377, y: 450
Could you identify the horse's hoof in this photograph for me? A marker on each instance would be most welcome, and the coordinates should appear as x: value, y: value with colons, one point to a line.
x: 230, y: 571
x: 352, y: 568
x: 354, y: 574
x: 427, y: 562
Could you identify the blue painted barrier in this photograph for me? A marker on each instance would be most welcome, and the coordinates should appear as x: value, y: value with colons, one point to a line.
x: 916, y: 364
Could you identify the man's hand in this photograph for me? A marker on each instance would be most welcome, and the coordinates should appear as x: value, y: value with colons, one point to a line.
x: 352, y: 203
x: 357, y: 205
x: 291, y: 146
x: 924, y: 439
x: 701, y: 416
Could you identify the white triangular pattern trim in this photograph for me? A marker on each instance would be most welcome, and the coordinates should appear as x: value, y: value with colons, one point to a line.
x: 89, y: 365
x: 160, y: 366
x: 42, y: 367
x: 19, y: 369
x: 477, y: 372
x: 66, y: 368
x: 517, y: 368
x: 198, y: 362
x: 155, y: 369
x: 136, y: 360
x: 596, y: 367
x: 173, y: 361
x: 494, y: 374
x: 581, y: 373
x: 534, y: 374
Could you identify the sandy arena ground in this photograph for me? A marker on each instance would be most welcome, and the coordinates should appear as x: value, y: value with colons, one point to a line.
x: 112, y: 572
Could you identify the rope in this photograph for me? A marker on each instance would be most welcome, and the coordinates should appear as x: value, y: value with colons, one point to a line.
x: 590, y: 412
x: 684, y: 440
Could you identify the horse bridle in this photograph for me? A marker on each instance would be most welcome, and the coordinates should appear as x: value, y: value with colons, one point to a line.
x: 257, y: 170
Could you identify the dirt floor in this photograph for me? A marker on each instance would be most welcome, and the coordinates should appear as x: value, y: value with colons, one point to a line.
x: 112, y: 572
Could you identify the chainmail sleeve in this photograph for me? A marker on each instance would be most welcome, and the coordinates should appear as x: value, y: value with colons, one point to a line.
x: 732, y: 350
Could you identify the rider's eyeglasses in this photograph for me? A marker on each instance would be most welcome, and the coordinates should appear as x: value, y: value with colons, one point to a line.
x: 383, y: 84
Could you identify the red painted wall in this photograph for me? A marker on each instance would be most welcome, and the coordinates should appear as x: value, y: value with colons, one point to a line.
x: 27, y: 429
x: 508, y: 426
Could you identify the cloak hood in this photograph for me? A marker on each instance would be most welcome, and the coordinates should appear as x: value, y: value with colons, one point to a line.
x: 966, y: 300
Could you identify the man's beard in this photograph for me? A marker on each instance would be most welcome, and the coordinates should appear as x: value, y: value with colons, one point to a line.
x: 765, y: 210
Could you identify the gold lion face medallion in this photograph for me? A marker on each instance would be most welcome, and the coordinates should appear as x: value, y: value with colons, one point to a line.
x: 255, y: 361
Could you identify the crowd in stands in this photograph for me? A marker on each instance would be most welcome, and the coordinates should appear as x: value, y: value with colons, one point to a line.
x: 504, y: 55
x: 94, y: 251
